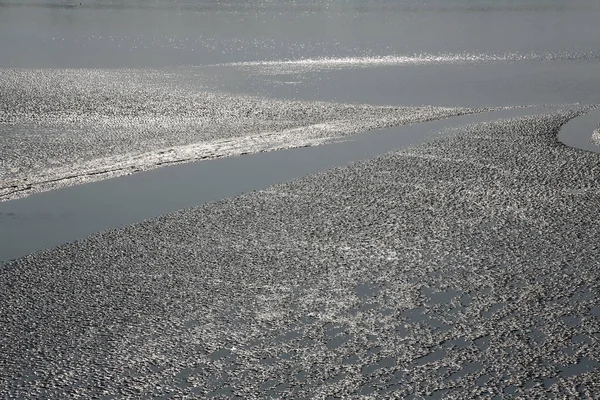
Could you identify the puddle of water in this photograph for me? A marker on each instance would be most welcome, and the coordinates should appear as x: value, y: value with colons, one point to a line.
x: 421, y: 316
x: 581, y: 339
x: 482, y: 343
x: 595, y: 311
x: 483, y: 379
x: 286, y: 356
x: 226, y: 391
x: 387, y: 362
x: 270, y: 384
x: 493, y: 310
x: 549, y: 382
x: 431, y: 357
x: 338, y: 341
x: 465, y: 370
x: 443, y: 297
x: 222, y: 353
x: 459, y: 343
x: 510, y: 390
x: 537, y: 337
x: 414, y: 314
x: 353, y: 359
x: 365, y: 290
x: 571, y: 320
x: 439, y: 394
x: 374, y: 350
x: 367, y: 390
x: 584, y: 365
x: 301, y: 376
x: 465, y: 300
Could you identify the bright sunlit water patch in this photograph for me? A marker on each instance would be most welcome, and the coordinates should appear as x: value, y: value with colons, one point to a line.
x: 314, y: 64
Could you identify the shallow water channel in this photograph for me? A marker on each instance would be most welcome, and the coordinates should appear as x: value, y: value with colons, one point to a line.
x: 48, y: 219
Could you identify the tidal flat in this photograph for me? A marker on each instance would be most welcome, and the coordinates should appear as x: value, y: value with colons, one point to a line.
x: 460, y: 268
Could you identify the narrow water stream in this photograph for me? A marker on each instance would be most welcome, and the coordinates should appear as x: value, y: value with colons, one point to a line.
x: 49, y: 219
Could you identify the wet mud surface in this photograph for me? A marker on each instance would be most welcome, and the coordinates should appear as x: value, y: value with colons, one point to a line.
x: 461, y: 268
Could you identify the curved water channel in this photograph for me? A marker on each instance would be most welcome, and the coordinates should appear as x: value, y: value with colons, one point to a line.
x: 49, y: 219
x: 577, y: 133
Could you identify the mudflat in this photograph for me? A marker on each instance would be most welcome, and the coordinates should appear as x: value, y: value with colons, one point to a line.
x: 467, y: 266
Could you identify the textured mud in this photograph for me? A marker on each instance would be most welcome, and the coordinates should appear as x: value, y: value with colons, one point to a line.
x: 65, y: 127
x: 466, y: 267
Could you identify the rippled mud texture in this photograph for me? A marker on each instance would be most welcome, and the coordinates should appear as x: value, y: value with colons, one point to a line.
x: 465, y: 267
x: 64, y: 127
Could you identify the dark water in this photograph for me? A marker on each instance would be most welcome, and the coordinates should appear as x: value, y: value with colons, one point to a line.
x: 101, y: 33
